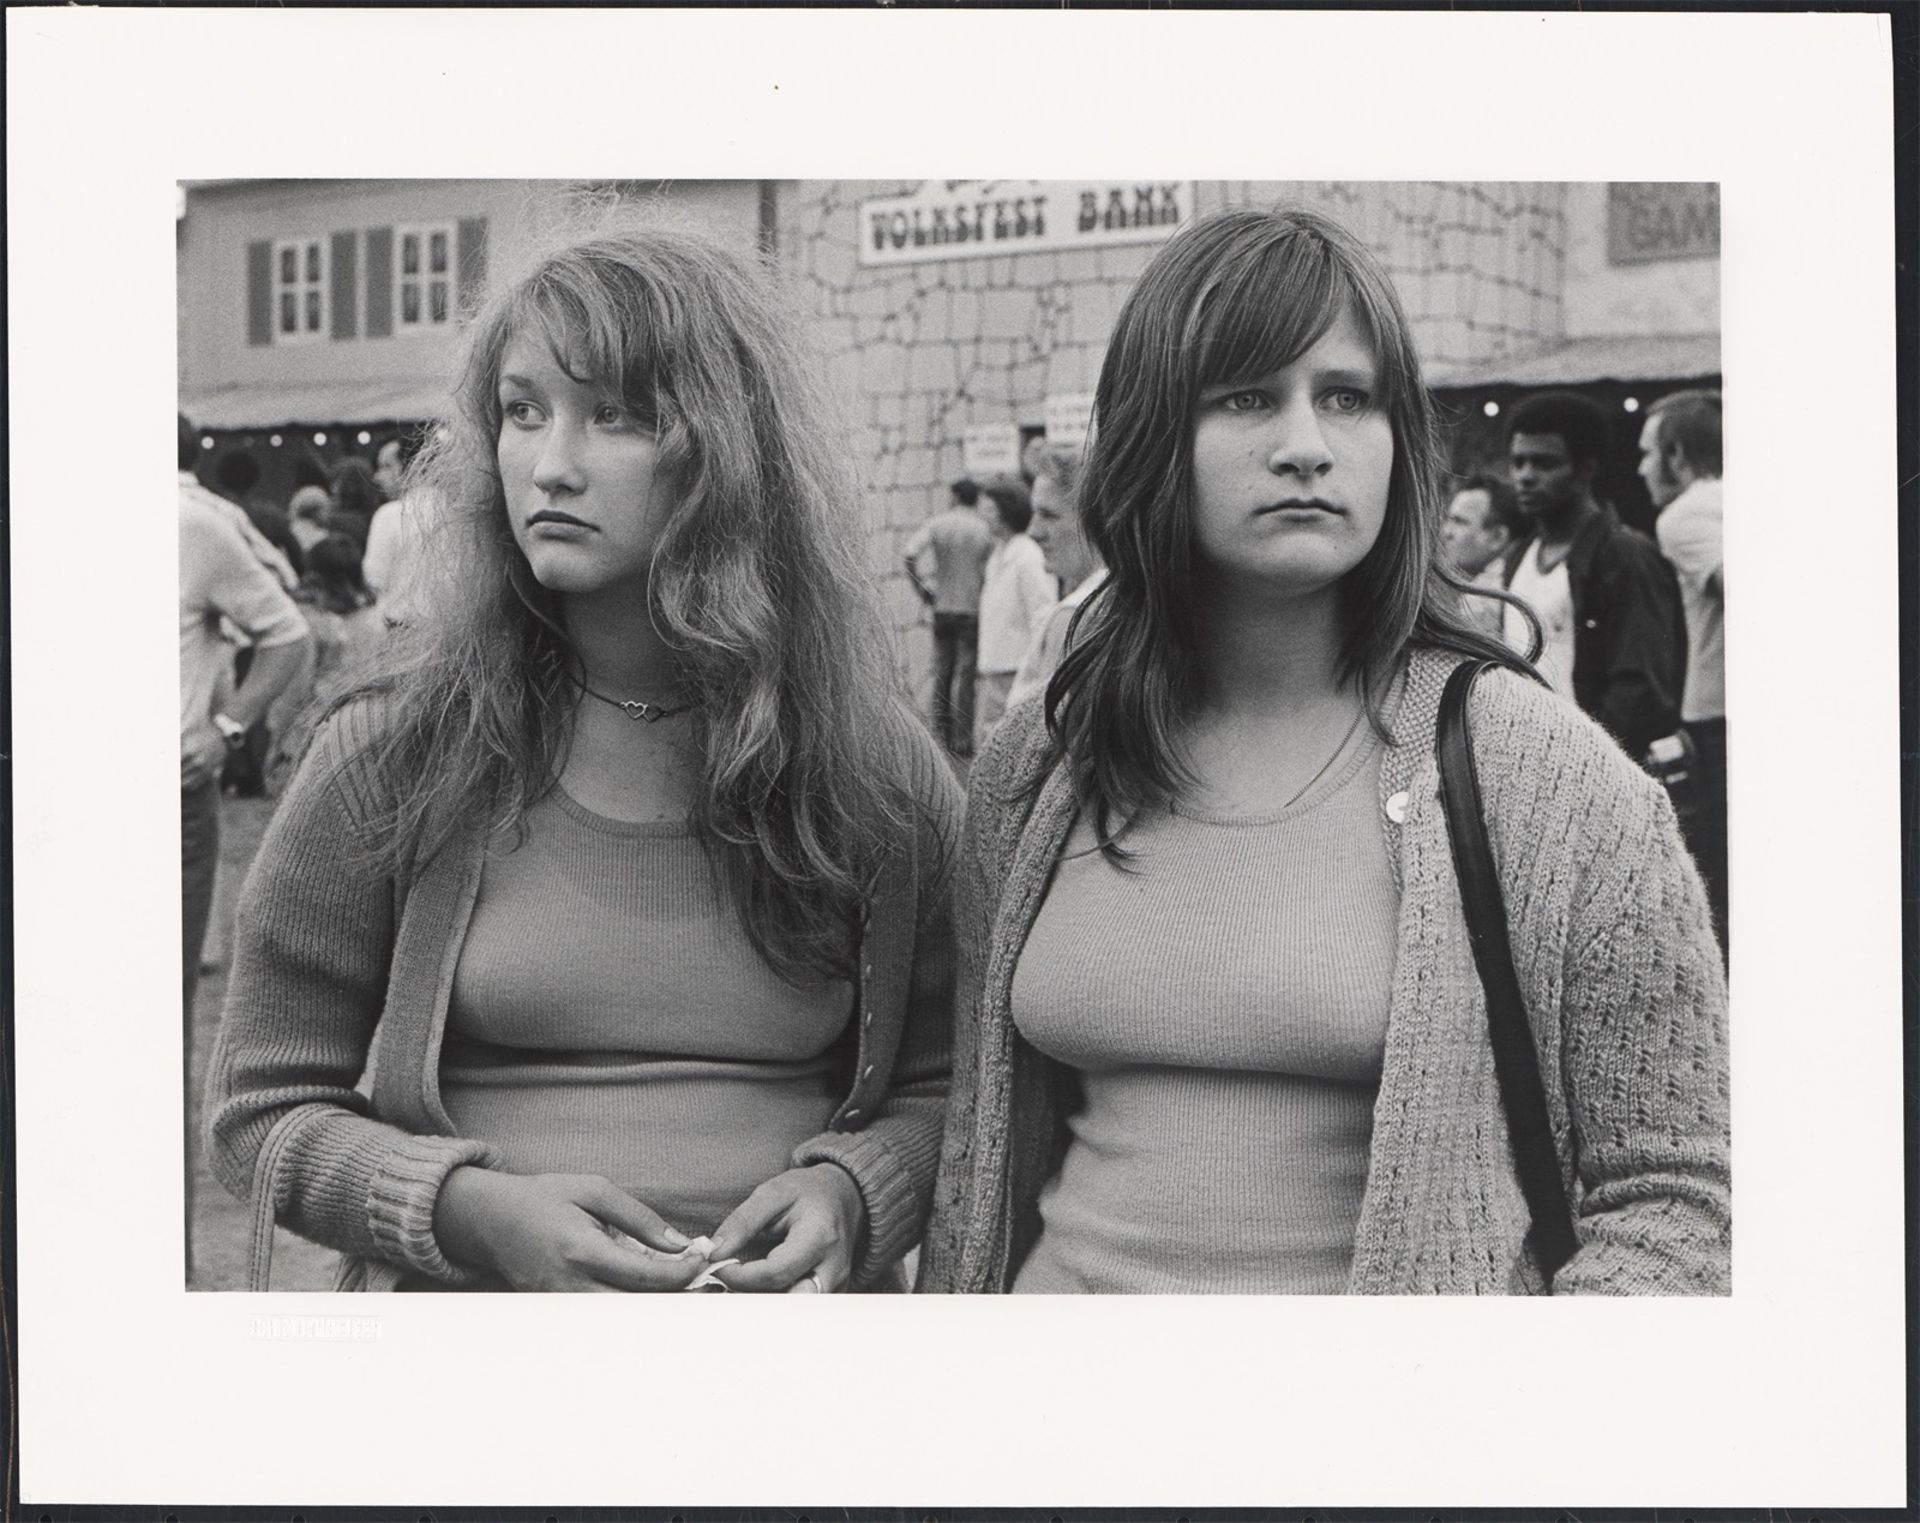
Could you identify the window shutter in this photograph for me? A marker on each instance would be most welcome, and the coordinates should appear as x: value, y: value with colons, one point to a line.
x: 259, y: 293
x: 472, y: 258
x: 379, y: 282
x: 344, y: 273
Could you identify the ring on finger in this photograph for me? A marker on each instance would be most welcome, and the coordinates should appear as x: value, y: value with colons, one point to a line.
x: 814, y: 1275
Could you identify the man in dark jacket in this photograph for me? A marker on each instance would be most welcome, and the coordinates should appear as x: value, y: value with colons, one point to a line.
x: 1608, y: 602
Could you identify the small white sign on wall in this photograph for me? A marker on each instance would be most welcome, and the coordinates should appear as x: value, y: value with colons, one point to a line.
x: 1069, y: 418
x: 991, y: 449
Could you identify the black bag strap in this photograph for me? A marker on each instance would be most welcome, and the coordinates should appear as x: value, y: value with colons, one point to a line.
x: 1516, y: 1062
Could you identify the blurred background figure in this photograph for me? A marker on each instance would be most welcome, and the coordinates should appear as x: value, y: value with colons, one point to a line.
x: 356, y: 497
x: 1032, y: 456
x: 269, y: 536
x: 1061, y: 534
x: 960, y: 542
x: 1482, y: 524
x: 223, y: 584
x: 389, y: 468
x: 264, y: 527
x: 307, y: 514
x: 1680, y: 463
x: 340, y: 609
x: 397, y: 540
x: 344, y: 625
x: 1015, y: 598
x: 1608, y: 605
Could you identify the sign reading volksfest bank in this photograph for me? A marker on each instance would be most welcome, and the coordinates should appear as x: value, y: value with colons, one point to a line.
x: 969, y: 219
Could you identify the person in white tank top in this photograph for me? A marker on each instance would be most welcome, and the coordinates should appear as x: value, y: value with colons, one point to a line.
x: 1607, y: 601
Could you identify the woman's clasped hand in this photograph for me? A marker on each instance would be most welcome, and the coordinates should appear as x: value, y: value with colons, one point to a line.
x: 581, y: 1232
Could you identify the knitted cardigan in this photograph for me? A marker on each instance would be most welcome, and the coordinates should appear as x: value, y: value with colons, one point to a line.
x: 326, y: 949
x: 1615, y: 955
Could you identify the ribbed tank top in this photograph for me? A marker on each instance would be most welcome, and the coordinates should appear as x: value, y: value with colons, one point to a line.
x: 609, y: 1016
x: 1224, y: 999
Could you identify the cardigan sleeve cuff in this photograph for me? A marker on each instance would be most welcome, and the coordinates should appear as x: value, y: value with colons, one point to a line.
x: 401, y: 1197
x: 894, y: 1217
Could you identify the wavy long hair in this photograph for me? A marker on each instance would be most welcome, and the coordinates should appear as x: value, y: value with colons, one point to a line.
x: 756, y: 584
x: 1235, y: 296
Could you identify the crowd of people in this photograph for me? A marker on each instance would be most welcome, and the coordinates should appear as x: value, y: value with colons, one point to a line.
x: 1631, y: 628
x: 692, y: 969
x: 331, y: 550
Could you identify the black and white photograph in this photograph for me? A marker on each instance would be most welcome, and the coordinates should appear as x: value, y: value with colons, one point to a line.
x: 1195, y: 493
x: 1127, y: 717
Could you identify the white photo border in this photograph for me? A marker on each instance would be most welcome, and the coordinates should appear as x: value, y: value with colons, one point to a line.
x: 1792, y: 1391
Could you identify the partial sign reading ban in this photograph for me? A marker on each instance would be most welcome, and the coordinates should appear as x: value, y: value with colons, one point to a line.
x: 1662, y: 220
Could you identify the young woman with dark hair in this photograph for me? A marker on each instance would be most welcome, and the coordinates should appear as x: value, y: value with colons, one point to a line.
x: 628, y: 845
x: 1219, y: 1026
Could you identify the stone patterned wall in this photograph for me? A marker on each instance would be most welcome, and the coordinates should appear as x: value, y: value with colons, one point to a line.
x: 918, y: 353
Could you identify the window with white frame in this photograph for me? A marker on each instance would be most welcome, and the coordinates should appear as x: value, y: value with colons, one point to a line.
x: 299, y: 289
x: 423, y: 276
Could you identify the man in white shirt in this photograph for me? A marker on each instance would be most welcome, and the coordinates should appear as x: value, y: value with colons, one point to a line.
x: 222, y: 576
x: 1482, y: 523
x: 1680, y: 463
x: 1058, y: 531
x: 960, y: 543
x: 1016, y: 595
x: 397, y: 538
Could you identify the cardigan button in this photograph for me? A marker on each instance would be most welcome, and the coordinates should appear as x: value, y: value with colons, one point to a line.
x: 1397, y: 808
x: 866, y: 1073
x: 854, y: 1114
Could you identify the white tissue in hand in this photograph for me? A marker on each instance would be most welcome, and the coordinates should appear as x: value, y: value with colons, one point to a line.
x: 709, y: 1280
x: 705, y: 1280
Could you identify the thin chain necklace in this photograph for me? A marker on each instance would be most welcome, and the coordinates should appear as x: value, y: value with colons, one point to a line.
x: 1333, y: 756
x: 635, y: 708
x: 1359, y: 714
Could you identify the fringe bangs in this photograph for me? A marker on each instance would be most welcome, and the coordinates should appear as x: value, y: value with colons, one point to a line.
x: 593, y: 315
x: 1238, y: 332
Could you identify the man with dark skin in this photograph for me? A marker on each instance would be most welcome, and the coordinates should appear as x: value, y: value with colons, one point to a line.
x: 1607, y: 600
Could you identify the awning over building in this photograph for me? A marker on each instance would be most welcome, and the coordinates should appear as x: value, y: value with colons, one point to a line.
x: 321, y: 405
x: 1575, y: 362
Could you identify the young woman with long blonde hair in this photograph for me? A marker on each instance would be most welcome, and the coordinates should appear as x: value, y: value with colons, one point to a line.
x: 630, y: 852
